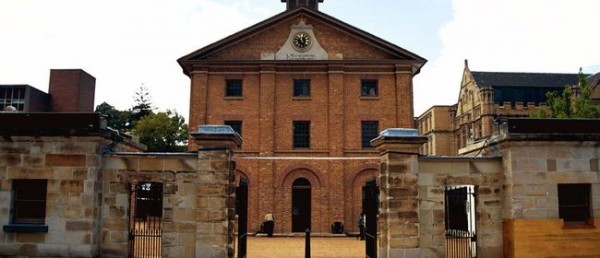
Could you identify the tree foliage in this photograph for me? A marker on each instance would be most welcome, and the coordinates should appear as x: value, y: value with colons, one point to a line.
x: 143, y: 105
x: 162, y: 132
x: 116, y: 119
x: 570, y: 103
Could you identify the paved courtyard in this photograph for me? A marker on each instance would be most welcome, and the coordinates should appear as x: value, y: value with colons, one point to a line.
x: 291, y: 247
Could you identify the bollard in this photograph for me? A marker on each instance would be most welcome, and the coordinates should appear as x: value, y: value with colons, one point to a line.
x: 307, y: 244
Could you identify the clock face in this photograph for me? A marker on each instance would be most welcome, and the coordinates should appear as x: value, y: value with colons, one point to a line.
x: 301, y: 41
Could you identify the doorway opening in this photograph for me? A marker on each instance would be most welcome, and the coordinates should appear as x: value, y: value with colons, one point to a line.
x: 145, y: 225
x: 301, y: 208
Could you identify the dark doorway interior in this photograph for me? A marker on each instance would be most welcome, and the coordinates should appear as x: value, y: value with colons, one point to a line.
x: 370, y: 203
x: 145, y: 225
x: 301, y: 197
x: 241, y: 209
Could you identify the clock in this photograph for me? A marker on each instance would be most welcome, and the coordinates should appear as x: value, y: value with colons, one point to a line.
x: 301, y: 41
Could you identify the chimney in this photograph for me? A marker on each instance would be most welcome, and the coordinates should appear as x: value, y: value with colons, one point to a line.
x: 310, y: 4
x: 71, y: 90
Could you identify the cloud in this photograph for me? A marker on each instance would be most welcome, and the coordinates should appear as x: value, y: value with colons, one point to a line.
x: 511, y: 35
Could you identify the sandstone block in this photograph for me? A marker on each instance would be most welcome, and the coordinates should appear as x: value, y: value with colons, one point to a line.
x: 78, y: 225
x: 66, y: 160
x: 71, y: 186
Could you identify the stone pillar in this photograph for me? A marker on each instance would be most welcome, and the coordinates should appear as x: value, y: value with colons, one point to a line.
x: 216, y: 190
x: 398, y: 220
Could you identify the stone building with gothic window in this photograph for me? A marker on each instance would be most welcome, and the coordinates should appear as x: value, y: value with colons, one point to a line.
x: 485, y: 100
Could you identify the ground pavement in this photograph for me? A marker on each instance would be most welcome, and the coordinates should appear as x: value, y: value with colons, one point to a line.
x: 291, y: 247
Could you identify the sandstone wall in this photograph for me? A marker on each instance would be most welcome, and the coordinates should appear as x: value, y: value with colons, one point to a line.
x: 71, y: 166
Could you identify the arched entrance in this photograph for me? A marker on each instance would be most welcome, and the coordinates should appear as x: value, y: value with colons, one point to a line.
x: 301, y: 197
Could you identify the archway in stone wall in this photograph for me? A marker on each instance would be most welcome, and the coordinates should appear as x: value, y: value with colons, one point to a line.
x: 358, y: 182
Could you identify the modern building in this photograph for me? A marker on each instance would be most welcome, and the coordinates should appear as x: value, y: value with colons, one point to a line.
x: 23, y: 98
x: 307, y: 92
x: 70, y: 90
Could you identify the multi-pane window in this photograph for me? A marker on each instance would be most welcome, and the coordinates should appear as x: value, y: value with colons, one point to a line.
x: 368, y: 88
x: 301, y: 132
x: 29, y: 201
x: 301, y: 88
x: 10, y: 96
x: 369, y: 131
x: 233, y: 88
x: 236, y: 125
x: 574, y: 203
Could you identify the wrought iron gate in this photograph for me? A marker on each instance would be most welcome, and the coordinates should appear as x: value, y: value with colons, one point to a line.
x: 241, y: 209
x: 370, y: 206
x: 461, y: 238
x: 145, y: 232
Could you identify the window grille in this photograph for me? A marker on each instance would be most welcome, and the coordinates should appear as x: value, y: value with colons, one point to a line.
x: 301, y: 131
x: 370, y: 131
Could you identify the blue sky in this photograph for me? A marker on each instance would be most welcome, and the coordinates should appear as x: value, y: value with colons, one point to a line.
x: 129, y: 43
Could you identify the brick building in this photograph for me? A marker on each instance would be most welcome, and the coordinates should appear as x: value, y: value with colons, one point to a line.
x: 70, y: 90
x: 307, y: 92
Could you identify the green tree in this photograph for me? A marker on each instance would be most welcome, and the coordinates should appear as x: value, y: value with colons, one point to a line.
x: 162, y: 132
x: 116, y: 119
x: 570, y: 103
x: 143, y: 105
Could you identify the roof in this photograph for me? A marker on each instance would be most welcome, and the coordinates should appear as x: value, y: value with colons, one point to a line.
x: 204, y: 53
x: 594, y: 79
x: 502, y: 79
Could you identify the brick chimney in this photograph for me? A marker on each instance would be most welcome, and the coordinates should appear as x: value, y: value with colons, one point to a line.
x: 311, y: 4
x: 71, y: 90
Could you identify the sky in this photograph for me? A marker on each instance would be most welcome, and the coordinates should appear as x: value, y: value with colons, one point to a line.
x: 128, y: 44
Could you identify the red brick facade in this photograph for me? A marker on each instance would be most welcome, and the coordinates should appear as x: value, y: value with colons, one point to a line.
x: 71, y: 90
x: 335, y: 164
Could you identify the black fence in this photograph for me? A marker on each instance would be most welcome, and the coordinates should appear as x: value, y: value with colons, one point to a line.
x: 461, y: 238
x: 145, y: 225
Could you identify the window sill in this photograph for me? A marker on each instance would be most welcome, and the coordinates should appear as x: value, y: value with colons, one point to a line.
x: 589, y: 224
x: 234, y: 98
x: 25, y: 228
x: 369, y: 97
x: 301, y: 98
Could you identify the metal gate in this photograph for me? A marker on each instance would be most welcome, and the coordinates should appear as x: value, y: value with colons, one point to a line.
x: 370, y: 206
x: 461, y: 238
x: 241, y: 209
x: 145, y: 233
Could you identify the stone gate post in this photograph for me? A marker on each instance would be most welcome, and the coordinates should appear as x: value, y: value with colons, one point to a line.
x: 398, y: 219
x: 216, y: 190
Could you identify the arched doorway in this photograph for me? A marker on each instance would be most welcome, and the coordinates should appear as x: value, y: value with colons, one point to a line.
x: 301, y: 197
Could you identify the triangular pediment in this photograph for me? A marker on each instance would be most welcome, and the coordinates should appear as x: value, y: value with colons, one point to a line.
x: 273, y: 40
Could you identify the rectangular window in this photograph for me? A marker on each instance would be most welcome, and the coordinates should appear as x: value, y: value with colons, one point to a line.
x: 301, y: 131
x: 29, y: 201
x: 574, y: 203
x: 235, y: 125
x: 301, y: 88
x: 369, y: 131
x: 14, y: 97
x: 368, y: 88
x: 233, y: 88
